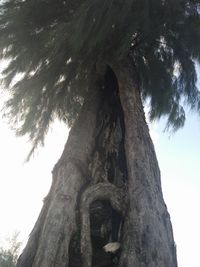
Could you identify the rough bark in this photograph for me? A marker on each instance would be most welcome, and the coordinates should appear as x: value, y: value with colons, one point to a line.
x: 148, y: 238
x: 108, y: 162
x: 49, y: 241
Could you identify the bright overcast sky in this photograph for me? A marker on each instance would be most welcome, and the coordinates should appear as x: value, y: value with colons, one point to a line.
x: 24, y: 185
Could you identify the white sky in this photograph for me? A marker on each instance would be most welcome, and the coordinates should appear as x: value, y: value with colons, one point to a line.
x: 24, y: 185
x: 179, y: 161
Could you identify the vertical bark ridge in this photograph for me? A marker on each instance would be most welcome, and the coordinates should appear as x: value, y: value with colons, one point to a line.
x: 148, y: 239
x: 59, y: 216
x: 27, y: 257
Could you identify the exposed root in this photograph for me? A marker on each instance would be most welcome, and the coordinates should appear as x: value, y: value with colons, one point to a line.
x: 27, y: 257
x: 100, y: 191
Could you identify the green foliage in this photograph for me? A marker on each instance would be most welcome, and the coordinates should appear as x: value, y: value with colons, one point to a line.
x: 8, y: 257
x: 56, y: 45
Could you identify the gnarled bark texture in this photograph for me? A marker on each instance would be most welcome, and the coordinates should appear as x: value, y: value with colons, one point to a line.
x: 106, y: 188
x: 148, y: 238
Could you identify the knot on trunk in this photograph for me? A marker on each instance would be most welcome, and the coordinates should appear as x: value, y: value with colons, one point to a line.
x: 101, y: 191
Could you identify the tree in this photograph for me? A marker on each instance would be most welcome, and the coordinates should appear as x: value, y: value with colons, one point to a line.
x: 91, y: 64
x: 8, y: 257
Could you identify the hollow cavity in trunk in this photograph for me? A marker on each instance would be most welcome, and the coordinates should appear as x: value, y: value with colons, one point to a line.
x: 103, y: 199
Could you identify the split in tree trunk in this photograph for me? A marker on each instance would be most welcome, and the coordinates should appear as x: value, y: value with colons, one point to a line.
x: 106, y: 188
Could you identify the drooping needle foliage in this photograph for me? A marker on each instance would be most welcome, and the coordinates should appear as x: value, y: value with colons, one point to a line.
x: 56, y: 45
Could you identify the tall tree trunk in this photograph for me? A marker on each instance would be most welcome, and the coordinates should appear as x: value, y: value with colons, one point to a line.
x: 48, y: 245
x: 108, y: 164
x: 148, y: 237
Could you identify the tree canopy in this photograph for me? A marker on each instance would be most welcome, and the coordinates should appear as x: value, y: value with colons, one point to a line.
x: 55, y: 45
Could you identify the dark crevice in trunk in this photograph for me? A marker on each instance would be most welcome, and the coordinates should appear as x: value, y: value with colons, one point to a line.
x: 100, y: 191
x: 75, y: 250
x: 109, y: 151
x: 107, y: 169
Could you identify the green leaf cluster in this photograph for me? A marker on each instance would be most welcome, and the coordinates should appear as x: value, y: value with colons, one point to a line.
x: 55, y: 45
x: 8, y: 257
